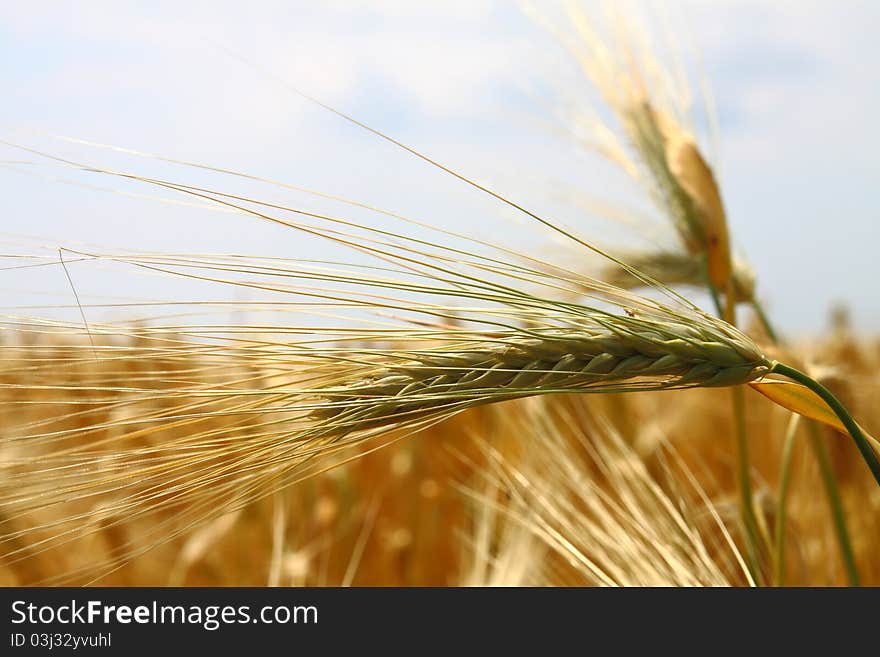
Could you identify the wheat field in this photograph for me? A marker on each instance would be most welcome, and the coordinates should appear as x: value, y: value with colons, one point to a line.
x: 430, y: 406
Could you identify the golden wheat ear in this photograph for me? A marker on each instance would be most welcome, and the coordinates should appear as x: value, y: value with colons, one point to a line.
x: 654, y: 139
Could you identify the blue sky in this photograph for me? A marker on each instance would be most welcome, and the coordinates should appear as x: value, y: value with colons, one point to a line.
x: 796, y: 85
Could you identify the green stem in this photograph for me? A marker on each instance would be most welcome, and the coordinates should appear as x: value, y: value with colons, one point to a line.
x: 710, y: 286
x: 716, y: 300
x: 836, y: 505
x: 854, y: 430
x: 765, y: 321
x: 785, y: 479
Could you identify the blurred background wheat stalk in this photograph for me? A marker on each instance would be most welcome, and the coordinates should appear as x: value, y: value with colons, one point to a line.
x: 182, y: 450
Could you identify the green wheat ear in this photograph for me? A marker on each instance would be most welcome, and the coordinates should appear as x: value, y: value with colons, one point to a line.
x: 617, y: 357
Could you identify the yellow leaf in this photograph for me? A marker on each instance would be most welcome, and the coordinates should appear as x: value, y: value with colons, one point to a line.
x: 803, y: 401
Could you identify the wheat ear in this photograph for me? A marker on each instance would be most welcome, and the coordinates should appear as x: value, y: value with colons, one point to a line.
x: 656, y: 356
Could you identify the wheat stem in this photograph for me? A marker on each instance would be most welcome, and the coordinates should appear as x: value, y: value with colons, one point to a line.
x: 747, y: 499
x: 758, y: 307
x: 835, y: 503
x: 781, y: 515
x: 743, y: 460
x: 747, y: 504
x: 710, y: 286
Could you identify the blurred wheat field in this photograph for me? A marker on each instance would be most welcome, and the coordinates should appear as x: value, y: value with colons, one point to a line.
x: 537, y: 406
x: 408, y: 514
